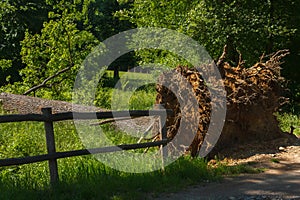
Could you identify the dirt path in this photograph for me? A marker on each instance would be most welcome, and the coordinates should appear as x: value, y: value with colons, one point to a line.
x: 281, y: 180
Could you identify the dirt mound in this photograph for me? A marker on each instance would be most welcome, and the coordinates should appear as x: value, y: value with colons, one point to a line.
x: 25, y: 104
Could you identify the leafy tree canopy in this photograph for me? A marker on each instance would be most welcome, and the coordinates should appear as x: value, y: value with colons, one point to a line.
x: 41, y: 39
x: 16, y: 16
x: 251, y: 27
x: 51, y: 56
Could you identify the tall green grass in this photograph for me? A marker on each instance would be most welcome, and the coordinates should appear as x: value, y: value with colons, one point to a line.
x: 133, y: 91
x: 85, y: 177
x: 81, y: 177
x: 116, y: 99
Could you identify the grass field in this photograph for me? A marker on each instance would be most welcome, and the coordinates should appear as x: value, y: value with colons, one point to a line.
x: 132, y: 92
x: 130, y: 75
x: 85, y: 177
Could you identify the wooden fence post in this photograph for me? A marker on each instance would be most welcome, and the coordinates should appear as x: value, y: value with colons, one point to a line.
x: 163, y: 136
x: 47, y: 112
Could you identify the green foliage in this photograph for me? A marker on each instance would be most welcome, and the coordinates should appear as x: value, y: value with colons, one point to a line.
x: 142, y: 100
x: 63, y: 34
x: 103, y: 97
x: 275, y: 160
x: 60, y: 45
x: 249, y: 27
x: 57, y: 34
x: 286, y: 120
x: 252, y: 27
x: 5, y: 65
x: 15, y: 18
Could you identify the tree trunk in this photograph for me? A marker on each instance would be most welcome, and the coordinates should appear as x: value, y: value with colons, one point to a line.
x: 116, y: 73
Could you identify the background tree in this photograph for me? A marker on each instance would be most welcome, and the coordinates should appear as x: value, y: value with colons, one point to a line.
x: 53, y: 56
x: 17, y: 16
x: 249, y: 27
x: 50, y: 56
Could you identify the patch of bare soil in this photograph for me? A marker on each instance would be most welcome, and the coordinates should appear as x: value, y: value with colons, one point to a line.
x: 280, y: 160
x: 23, y: 104
x: 258, y: 151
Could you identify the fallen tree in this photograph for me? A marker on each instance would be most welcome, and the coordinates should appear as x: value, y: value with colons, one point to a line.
x: 253, y: 95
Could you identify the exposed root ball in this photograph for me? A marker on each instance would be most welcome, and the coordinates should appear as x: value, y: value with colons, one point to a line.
x: 253, y: 95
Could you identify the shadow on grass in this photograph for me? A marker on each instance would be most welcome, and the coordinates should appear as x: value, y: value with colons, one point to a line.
x: 92, y: 180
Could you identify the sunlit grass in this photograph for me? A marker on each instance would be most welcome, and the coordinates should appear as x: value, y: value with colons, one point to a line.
x: 286, y: 120
x: 116, y: 99
x: 85, y: 177
x: 130, y: 75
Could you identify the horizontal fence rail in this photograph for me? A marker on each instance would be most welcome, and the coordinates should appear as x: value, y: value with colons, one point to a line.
x: 57, y: 155
x: 80, y: 115
x: 48, y: 118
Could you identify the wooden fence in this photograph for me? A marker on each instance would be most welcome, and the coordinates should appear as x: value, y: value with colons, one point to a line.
x: 52, y: 155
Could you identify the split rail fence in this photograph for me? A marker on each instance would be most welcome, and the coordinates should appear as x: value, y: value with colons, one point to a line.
x: 52, y: 155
